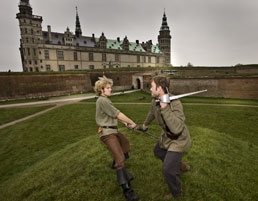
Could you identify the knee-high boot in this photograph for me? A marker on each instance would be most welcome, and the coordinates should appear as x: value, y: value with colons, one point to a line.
x: 123, y: 179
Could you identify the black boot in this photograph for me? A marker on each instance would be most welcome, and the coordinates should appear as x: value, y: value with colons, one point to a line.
x: 129, y: 193
x: 123, y: 179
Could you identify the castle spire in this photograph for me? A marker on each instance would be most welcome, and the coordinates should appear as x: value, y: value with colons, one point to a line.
x: 164, y: 40
x: 164, y: 25
x: 78, y: 30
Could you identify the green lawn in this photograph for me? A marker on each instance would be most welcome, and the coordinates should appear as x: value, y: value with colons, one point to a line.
x: 58, y: 156
x: 11, y: 114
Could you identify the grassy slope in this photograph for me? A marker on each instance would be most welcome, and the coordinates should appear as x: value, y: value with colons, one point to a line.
x: 11, y: 114
x: 57, y: 156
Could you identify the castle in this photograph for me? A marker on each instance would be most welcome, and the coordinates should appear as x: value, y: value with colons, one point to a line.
x: 50, y: 51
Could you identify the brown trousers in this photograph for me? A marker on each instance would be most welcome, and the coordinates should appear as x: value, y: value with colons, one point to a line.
x: 118, y: 145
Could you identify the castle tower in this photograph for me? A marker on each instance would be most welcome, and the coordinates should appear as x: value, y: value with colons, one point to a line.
x: 164, y: 40
x: 78, y: 30
x: 31, y: 36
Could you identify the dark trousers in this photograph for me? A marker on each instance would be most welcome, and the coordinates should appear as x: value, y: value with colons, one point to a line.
x: 118, y: 145
x: 171, y: 168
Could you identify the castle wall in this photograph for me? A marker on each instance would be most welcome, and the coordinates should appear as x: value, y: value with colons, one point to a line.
x: 36, y: 86
x: 15, y: 86
x: 231, y: 87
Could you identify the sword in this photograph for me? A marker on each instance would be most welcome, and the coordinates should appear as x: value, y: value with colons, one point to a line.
x: 167, y: 99
x: 146, y: 132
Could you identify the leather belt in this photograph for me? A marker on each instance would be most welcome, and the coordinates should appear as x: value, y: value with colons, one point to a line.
x: 112, y: 127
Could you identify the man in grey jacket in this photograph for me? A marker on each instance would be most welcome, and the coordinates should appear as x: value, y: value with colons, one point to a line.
x: 175, y: 137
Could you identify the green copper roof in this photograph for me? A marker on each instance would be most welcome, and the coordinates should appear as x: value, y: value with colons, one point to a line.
x: 155, y: 49
x: 133, y: 46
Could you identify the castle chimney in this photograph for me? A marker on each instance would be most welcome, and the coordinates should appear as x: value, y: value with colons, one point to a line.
x: 49, y: 33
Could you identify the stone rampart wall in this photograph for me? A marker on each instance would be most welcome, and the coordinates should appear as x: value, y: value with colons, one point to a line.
x: 231, y: 87
x: 34, y: 86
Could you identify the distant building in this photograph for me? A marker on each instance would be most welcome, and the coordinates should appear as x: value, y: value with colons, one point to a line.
x: 50, y: 51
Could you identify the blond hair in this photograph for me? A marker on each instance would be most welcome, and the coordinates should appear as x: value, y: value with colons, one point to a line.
x: 101, y: 84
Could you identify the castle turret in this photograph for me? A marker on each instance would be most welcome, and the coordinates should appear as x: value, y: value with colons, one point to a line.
x: 31, y: 36
x: 164, y: 40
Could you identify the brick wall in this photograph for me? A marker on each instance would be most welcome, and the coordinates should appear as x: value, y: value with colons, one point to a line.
x: 32, y: 86
x: 232, y: 87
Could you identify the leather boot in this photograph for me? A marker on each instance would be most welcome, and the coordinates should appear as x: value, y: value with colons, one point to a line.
x: 129, y: 193
x: 184, y: 167
x: 123, y: 179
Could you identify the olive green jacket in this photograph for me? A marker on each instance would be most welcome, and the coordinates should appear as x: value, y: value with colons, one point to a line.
x: 106, y: 115
x: 173, y: 117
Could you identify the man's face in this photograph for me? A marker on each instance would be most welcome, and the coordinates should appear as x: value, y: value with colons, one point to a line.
x: 107, y: 90
x: 154, y: 90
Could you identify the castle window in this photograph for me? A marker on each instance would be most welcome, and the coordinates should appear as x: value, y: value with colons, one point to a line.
x: 149, y: 59
x: 91, y: 58
x: 48, y: 68
x: 117, y: 58
x: 76, y: 67
x: 138, y: 59
x: 104, y: 57
x: 157, y: 60
x: 61, y: 68
x: 75, y: 56
x: 91, y: 67
x: 28, y: 51
x: 46, y: 53
x: 60, y: 55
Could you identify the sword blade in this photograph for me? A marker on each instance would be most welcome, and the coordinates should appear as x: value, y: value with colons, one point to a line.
x: 187, y: 94
x: 183, y: 95
x: 148, y: 133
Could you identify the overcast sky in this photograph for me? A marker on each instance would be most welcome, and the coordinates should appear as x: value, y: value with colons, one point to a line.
x: 204, y: 32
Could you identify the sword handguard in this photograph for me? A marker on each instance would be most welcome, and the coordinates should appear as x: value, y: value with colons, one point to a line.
x: 165, y: 98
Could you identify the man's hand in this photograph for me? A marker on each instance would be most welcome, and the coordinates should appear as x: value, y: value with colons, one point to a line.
x: 131, y: 125
x: 142, y: 128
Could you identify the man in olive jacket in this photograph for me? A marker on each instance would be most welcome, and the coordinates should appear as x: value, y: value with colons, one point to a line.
x: 175, y: 137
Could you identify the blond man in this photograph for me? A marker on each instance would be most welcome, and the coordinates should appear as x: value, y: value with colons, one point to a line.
x: 107, y: 117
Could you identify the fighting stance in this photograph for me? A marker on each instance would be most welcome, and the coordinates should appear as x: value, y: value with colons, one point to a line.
x: 107, y: 117
x: 175, y: 137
